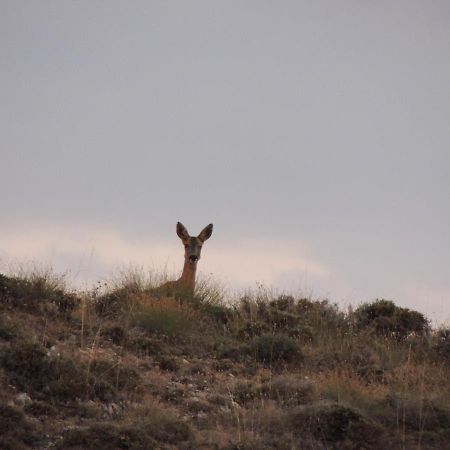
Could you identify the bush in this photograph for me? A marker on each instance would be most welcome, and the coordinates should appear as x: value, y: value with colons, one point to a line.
x: 168, y: 364
x: 222, y: 315
x: 335, y: 423
x: 105, y: 436
x: 419, y: 412
x: 115, y: 303
x: 387, y: 319
x: 276, y: 348
x: 149, y: 432
x: 31, y: 370
x: 38, y: 408
x: 356, y: 357
x: 115, y: 333
x: 7, y: 332
x: 16, y: 433
x: 299, y: 318
x: 442, y: 344
x: 166, y: 317
x: 118, y: 376
x: 289, y: 390
x: 35, y: 293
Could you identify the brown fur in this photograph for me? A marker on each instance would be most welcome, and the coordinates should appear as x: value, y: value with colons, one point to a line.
x: 193, y: 248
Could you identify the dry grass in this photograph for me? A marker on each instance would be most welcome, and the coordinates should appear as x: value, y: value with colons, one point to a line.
x: 124, y: 369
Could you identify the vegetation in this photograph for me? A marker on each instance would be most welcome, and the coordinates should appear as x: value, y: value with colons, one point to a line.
x: 125, y: 366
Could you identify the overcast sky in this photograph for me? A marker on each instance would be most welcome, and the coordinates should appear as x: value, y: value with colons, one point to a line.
x: 314, y: 135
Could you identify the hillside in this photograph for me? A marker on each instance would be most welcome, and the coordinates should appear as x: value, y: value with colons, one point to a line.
x: 127, y: 367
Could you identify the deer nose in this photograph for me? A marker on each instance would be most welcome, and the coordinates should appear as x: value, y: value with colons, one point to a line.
x: 193, y: 258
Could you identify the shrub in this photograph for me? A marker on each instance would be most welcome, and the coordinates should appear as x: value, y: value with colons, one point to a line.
x: 168, y: 364
x: 36, y: 292
x: 222, y: 315
x: 31, y: 370
x: 148, y: 430
x: 143, y: 345
x: 115, y: 303
x: 301, y: 318
x: 335, y: 423
x: 115, y: 333
x: 288, y: 390
x: 419, y: 412
x: 275, y: 348
x: 120, y: 377
x: 166, y: 317
x: 16, y: 433
x: 38, y: 408
x: 387, y: 319
x: 105, y: 436
x: 442, y: 344
x: 356, y: 357
x: 7, y: 332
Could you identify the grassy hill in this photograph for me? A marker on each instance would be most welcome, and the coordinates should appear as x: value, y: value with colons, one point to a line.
x: 128, y: 367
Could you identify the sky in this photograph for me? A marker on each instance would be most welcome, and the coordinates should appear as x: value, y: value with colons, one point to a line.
x: 314, y: 135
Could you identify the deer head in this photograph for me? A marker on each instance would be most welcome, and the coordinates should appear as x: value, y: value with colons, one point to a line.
x: 193, y: 245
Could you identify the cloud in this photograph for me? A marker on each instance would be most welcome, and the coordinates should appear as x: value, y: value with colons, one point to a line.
x: 90, y: 252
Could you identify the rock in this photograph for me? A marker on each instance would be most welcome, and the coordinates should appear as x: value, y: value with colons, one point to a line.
x: 23, y: 399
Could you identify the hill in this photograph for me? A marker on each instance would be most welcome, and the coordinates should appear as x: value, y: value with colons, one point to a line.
x: 125, y: 366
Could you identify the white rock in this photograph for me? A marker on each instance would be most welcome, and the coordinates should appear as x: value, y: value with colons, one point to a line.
x: 23, y: 399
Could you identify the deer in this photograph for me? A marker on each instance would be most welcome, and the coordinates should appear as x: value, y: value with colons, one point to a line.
x: 185, y: 285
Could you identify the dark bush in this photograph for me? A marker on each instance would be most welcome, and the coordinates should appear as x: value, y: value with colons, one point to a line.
x: 113, y: 374
x: 143, y: 345
x: 115, y: 333
x: 106, y: 436
x: 336, y: 423
x: 35, y: 294
x: 299, y: 318
x: 115, y: 303
x: 288, y: 390
x: 7, y: 331
x: 16, y: 433
x: 442, y: 344
x: 222, y: 315
x: 38, y: 408
x: 147, y: 433
x: 275, y: 348
x: 32, y: 371
x: 418, y: 412
x: 168, y: 364
x: 387, y: 319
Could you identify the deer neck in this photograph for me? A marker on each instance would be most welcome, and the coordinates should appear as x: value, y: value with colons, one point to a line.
x: 188, y: 276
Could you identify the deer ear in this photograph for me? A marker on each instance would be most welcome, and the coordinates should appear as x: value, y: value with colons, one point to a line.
x: 206, y: 232
x: 182, y: 232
